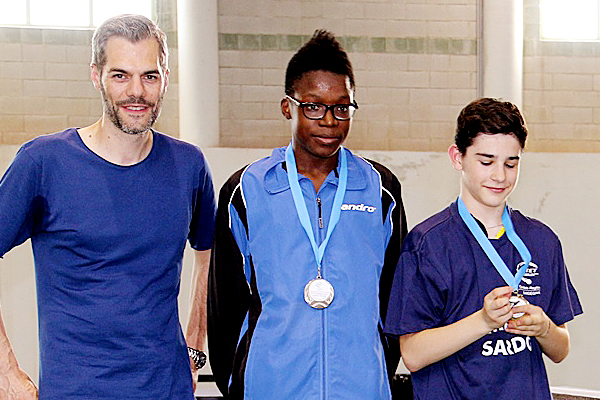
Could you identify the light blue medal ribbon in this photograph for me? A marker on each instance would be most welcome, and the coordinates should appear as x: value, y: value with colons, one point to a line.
x: 491, y: 252
x: 292, y: 173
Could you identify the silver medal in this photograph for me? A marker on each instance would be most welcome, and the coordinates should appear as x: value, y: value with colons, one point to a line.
x: 318, y: 293
x: 517, y: 300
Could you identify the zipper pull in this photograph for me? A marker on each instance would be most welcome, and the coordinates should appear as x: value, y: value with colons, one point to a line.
x: 320, y: 216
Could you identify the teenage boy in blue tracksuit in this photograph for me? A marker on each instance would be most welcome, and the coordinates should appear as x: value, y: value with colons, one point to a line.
x: 481, y: 291
x: 306, y: 245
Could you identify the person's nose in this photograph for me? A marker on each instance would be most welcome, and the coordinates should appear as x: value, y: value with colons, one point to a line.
x: 136, y: 87
x: 328, y: 119
x: 498, y: 174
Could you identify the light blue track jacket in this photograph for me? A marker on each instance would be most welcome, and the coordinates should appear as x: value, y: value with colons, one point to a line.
x: 265, y: 342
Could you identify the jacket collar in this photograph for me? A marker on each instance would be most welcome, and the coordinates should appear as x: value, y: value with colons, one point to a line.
x: 275, y: 178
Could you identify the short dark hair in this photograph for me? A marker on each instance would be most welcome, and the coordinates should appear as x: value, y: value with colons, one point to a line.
x: 322, y: 52
x: 489, y: 116
x: 133, y: 28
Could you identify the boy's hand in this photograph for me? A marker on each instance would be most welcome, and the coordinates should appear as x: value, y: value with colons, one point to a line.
x: 534, y: 322
x: 496, y: 308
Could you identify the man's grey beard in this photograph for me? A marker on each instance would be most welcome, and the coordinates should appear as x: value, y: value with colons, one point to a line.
x: 114, y: 117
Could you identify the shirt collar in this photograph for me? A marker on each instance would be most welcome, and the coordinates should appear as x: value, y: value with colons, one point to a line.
x: 275, y: 178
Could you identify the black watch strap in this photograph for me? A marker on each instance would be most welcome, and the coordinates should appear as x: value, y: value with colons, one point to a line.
x: 197, y: 356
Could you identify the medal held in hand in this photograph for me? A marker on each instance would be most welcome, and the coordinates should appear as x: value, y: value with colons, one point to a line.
x: 318, y: 293
x: 517, y: 300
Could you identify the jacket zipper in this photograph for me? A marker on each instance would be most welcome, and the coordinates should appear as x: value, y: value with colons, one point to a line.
x: 320, y: 215
x: 324, y: 366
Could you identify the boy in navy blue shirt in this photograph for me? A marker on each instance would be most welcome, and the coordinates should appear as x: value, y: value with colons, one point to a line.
x: 481, y: 291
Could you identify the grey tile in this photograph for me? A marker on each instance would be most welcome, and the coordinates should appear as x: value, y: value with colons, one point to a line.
x: 292, y: 42
x: 356, y: 44
x: 583, y: 49
x: 270, y: 42
x: 377, y: 45
x: 10, y: 35
x: 54, y: 36
x: 396, y: 45
x: 32, y: 36
x: 416, y: 45
x: 79, y: 36
x: 249, y: 42
x: 462, y: 46
x: 557, y: 48
x: 228, y: 41
x: 438, y: 45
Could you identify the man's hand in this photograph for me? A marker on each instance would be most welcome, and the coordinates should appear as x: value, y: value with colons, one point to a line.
x: 496, y: 308
x: 17, y: 386
x: 194, y: 374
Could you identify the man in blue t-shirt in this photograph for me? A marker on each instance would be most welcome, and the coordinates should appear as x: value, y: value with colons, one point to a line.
x: 481, y: 291
x: 108, y: 209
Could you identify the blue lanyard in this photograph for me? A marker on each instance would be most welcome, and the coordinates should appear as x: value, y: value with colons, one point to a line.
x: 491, y: 252
x: 301, y: 209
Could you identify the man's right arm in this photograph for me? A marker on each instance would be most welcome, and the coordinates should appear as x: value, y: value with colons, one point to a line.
x: 18, y: 210
x: 15, y: 384
x: 424, y: 348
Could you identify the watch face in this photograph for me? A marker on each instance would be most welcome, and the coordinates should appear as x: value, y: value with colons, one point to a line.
x: 202, y: 359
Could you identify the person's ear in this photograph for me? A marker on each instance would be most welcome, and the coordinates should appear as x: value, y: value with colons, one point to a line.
x: 456, y: 157
x: 285, y: 108
x: 96, y: 76
x: 166, y: 79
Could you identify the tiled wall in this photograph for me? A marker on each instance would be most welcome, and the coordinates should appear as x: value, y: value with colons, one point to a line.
x: 409, y: 89
x: 415, y: 64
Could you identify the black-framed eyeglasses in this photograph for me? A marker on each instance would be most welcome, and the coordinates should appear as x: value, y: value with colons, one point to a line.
x: 341, y: 112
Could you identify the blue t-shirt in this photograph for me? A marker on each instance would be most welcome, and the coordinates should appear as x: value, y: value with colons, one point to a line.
x: 108, y: 242
x: 443, y: 276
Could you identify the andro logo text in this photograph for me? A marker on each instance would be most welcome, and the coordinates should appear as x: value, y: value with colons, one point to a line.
x: 358, y: 207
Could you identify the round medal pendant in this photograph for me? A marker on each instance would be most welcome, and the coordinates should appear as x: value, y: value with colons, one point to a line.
x: 515, y: 301
x: 318, y: 293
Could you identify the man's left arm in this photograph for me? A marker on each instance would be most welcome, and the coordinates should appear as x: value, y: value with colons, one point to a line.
x: 196, y: 326
x: 202, y: 227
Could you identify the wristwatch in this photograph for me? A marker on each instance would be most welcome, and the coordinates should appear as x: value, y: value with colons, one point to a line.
x: 198, y: 357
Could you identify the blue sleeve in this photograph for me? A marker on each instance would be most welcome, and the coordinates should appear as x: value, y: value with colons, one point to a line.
x: 564, y: 303
x: 419, y: 293
x: 21, y: 205
x: 203, y: 220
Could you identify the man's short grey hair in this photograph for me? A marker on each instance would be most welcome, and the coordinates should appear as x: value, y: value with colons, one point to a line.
x: 133, y: 28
